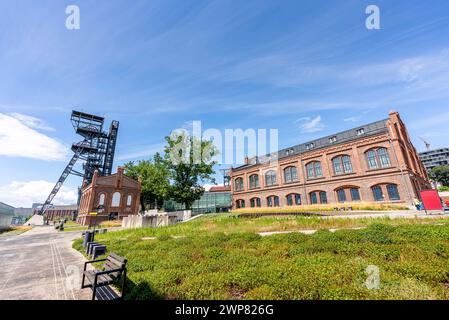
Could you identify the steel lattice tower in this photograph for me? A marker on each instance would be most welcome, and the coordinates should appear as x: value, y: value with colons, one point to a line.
x: 97, y: 150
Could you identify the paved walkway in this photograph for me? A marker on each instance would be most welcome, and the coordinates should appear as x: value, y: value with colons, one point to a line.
x: 41, y: 265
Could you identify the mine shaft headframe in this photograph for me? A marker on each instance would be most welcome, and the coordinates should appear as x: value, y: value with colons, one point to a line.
x: 96, y: 150
x: 87, y: 125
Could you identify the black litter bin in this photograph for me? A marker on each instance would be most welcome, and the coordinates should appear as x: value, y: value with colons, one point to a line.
x: 88, y: 237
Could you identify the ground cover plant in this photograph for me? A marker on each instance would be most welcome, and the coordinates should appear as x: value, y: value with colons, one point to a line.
x: 355, y: 206
x: 222, y: 257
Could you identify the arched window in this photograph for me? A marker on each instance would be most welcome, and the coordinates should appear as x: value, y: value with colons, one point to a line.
x: 240, y: 204
x: 273, y: 201
x: 290, y: 174
x: 378, y: 158
x: 238, y: 184
x: 129, y: 200
x: 317, y: 197
x: 293, y: 199
x: 102, y: 199
x: 255, y: 202
x: 254, y: 181
x: 341, y: 195
x: 393, y: 193
x: 313, y: 170
x: 344, y: 192
x: 378, y: 193
x: 270, y: 178
x: 116, y: 197
x: 355, y: 194
x: 342, y: 164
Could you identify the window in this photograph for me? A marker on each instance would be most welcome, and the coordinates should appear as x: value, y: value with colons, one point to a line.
x: 313, y: 170
x: 341, y: 195
x: 290, y: 174
x: 360, y: 131
x: 342, y: 164
x: 316, y: 196
x: 102, y: 199
x: 254, y: 181
x: 293, y: 199
x: 270, y: 178
x: 310, y: 146
x: 313, y: 198
x: 238, y: 184
x: 273, y: 201
x: 393, y: 192
x: 116, y: 199
x: 255, y: 202
x: 332, y: 139
x: 377, y: 193
x: 240, y: 204
x: 323, y: 197
x: 383, y: 157
x: 378, y: 158
x: 355, y: 194
x: 129, y: 200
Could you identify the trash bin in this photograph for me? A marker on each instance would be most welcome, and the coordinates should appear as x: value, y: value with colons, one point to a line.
x: 88, y: 237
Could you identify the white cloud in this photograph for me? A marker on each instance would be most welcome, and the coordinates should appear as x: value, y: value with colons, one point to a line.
x: 352, y: 119
x: 142, y: 153
x: 24, y: 194
x: 19, y: 138
x: 31, y: 122
x: 310, y: 125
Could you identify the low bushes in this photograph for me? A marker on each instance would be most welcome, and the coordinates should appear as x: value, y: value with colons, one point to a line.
x: 412, y: 260
x: 358, y: 206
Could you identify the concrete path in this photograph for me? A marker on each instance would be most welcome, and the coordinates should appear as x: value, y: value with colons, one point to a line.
x: 40, y: 264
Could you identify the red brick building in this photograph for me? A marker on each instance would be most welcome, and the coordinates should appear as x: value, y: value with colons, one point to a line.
x: 119, y: 194
x: 370, y: 163
x: 60, y: 212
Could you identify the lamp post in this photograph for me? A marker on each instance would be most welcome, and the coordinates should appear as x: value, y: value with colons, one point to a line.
x: 100, y: 210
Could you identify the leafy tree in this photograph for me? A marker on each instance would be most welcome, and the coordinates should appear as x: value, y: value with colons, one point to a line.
x: 440, y: 174
x: 189, y: 162
x: 155, y: 180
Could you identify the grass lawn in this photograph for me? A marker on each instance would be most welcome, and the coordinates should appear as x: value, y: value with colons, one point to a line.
x: 74, y: 226
x: 14, y: 230
x: 222, y: 257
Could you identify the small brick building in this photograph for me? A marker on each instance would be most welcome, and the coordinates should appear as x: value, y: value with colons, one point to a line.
x: 119, y: 194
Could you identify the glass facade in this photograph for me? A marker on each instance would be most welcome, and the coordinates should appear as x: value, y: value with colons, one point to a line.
x: 210, y: 202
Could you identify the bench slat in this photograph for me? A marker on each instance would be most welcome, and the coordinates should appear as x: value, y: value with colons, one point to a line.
x: 117, y: 258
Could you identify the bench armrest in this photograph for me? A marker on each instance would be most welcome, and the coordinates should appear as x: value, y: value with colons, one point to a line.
x: 99, y: 273
x: 92, y: 261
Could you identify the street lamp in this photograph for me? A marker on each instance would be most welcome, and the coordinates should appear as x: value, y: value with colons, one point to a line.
x: 100, y: 210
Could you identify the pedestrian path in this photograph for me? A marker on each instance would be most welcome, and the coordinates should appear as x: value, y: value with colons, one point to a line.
x: 40, y: 264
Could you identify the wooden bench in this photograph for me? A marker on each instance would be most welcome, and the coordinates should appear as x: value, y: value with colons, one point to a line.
x: 114, y: 266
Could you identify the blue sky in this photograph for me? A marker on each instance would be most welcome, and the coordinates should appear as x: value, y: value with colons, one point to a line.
x: 307, y: 68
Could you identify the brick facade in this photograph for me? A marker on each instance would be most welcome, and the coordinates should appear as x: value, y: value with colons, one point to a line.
x: 404, y: 173
x: 119, y: 194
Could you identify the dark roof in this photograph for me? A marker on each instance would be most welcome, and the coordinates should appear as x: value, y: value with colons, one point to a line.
x: 331, y: 140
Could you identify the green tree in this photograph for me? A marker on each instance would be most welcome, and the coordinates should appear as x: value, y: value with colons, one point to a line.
x: 155, y: 180
x: 440, y: 174
x: 190, y: 165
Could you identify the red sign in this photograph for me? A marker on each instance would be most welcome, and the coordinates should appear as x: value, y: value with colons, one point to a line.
x: 431, y: 200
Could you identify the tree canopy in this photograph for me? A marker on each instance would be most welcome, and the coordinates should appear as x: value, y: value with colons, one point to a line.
x: 190, y: 165
x: 154, y: 177
x: 440, y: 174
